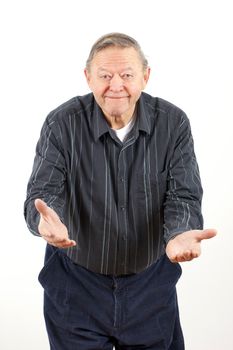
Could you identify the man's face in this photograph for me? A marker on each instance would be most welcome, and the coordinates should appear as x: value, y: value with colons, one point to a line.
x: 117, y: 78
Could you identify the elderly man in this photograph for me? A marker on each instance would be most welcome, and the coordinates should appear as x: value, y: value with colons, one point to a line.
x: 116, y: 193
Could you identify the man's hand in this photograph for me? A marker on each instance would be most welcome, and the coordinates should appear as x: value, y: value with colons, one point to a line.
x: 51, y: 228
x: 187, y: 245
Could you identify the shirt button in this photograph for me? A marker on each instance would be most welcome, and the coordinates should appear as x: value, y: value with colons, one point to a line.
x: 122, y: 179
x: 123, y: 208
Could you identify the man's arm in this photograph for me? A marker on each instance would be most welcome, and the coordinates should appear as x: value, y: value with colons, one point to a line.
x: 183, y: 222
x: 44, y: 206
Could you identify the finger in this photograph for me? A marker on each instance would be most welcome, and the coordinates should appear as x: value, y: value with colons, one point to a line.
x: 187, y: 255
x: 65, y: 242
x: 178, y: 259
x: 190, y: 257
x: 173, y: 258
x: 64, y: 245
x: 68, y: 244
x: 183, y: 258
x: 206, y: 234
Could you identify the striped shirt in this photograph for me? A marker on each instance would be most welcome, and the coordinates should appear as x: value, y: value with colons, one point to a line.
x: 121, y: 201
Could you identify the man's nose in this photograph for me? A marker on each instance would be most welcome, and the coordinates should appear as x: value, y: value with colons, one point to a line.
x: 116, y: 83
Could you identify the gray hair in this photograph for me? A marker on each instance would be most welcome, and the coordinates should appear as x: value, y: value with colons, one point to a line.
x: 115, y: 40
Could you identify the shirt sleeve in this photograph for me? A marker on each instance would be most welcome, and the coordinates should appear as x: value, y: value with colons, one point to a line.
x: 182, y: 208
x: 48, y: 176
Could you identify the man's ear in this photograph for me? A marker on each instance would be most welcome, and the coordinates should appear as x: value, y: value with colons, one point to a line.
x: 146, y: 75
x: 87, y: 75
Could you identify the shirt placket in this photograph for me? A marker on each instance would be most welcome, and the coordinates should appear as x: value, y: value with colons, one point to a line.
x: 122, y: 212
x: 122, y: 207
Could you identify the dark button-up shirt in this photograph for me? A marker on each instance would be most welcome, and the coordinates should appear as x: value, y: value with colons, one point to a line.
x: 121, y: 202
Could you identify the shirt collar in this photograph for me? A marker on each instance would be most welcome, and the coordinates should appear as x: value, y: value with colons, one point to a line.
x: 143, y: 115
x: 101, y: 126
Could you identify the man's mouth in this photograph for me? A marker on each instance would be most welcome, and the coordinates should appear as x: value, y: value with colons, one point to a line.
x: 116, y: 97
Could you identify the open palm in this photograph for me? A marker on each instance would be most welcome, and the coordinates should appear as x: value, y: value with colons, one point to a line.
x: 187, y: 245
x: 51, y: 228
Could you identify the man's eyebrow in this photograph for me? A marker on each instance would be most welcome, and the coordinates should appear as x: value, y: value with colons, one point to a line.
x: 102, y: 69
x: 127, y: 69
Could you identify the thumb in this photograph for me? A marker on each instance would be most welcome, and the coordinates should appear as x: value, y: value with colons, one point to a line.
x: 206, y: 234
x: 41, y: 207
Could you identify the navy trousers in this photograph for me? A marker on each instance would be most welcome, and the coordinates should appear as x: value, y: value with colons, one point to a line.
x: 88, y: 311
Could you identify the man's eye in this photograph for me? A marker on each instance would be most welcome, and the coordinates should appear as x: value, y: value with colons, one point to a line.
x: 106, y: 77
x: 127, y: 76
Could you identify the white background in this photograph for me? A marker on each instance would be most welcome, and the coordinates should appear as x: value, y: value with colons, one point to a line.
x: 44, y: 45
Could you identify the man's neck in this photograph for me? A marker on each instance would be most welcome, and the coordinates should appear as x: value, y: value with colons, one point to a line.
x: 119, y: 121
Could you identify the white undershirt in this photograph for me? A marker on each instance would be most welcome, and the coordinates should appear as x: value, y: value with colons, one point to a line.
x: 123, y: 132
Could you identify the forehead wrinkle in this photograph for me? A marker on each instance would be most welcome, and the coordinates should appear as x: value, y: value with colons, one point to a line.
x: 115, y: 59
x: 105, y: 69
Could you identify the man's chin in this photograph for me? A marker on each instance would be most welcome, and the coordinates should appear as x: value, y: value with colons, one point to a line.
x: 115, y: 112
